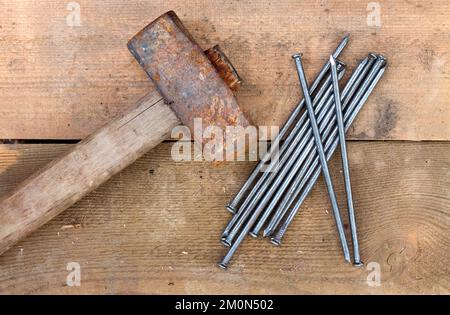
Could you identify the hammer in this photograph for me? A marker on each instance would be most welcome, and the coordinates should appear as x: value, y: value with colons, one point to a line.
x: 189, y: 84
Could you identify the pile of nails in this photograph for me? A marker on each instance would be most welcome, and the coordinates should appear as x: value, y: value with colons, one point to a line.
x: 272, y: 195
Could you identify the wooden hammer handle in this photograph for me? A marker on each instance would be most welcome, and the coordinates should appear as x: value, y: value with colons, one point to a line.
x: 85, y: 167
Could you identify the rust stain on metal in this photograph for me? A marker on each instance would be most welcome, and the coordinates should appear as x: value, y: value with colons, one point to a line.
x: 185, y: 76
x: 224, y: 67
x: 196, y: 84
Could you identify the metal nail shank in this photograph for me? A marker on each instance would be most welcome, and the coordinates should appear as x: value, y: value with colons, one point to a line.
x: 345, y: 167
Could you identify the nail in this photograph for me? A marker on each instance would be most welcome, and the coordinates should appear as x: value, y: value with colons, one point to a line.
x: 344, y: 157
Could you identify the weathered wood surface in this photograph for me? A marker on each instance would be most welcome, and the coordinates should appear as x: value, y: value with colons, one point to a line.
x: 90, y: 163
x: 154, y: 228
x: 62, y: 82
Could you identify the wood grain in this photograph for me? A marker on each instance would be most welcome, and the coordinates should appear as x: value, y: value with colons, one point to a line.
x: 154, y: 228
x: 62, y: 82
x: 90, y: 163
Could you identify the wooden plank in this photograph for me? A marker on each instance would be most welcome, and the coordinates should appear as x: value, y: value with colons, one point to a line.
x: 154, y: 228
x: 84, y: 168
x: 62, y: 82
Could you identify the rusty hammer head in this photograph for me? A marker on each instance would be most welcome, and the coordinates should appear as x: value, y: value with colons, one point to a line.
x: 195, y: 84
